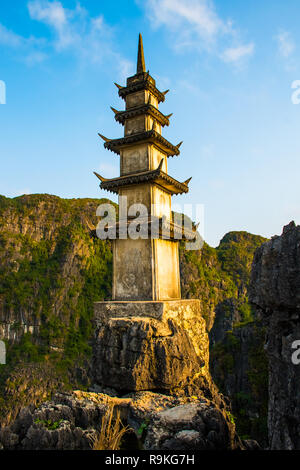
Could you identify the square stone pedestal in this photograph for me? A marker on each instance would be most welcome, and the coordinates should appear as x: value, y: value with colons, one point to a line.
x: 151, y: 345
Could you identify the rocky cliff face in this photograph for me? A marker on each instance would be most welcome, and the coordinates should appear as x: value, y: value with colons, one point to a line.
x: 220, y: 277
x: 239, y: 366
x: 53, y: 268
x: 275, y: 292
x: 151, y: 346
x: 71, y: 421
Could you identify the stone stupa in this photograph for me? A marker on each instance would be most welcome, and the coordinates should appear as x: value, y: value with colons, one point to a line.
x: 146, y: 276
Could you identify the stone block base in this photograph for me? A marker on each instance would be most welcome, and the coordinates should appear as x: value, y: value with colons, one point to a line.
x: 152, y: 345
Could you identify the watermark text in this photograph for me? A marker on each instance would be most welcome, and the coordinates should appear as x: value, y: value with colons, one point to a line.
x: 296, y: 353
x: 2, y: 92
x: 2, y: 353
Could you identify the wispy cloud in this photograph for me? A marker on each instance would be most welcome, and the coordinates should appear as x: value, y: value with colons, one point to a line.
x: 235, y: 54
x: 72, y: 31
x: 286, y: 45
x: 52, y: 13
x: 196, y: 24
x: 28, y: 48
x: 200, y: 15
x: 9, y: 38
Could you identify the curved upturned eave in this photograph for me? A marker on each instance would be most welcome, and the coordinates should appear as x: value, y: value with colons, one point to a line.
x: 139, y: 86
x: 149, y: 109
x: 157, y: 177
x: 143, y: 137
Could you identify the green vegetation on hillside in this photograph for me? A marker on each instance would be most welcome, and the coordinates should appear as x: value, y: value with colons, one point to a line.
x: 53, y: 267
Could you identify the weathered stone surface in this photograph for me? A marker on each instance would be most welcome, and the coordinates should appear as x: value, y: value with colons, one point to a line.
x: 169, y: 422
x: 239, y: 366
x: 160, y: 351
x: 275, y: 291
x: 193, y: 426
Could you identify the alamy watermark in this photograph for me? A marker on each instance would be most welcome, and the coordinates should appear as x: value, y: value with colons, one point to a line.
x: 295, y: 98
x: 2, y: 353
x: 135, y: 222
x: 296, y: 353
x: 2, y: 92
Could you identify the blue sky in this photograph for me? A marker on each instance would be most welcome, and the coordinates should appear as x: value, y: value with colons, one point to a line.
x: 229, y: 65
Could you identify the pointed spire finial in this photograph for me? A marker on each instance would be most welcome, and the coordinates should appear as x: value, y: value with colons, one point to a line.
x: 140, y: 68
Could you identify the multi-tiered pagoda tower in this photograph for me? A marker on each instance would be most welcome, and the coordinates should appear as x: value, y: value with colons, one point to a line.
x: 146, y: 337
x: 145, y: 269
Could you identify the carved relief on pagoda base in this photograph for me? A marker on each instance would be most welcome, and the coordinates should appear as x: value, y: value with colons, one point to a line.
x: 137, y: 273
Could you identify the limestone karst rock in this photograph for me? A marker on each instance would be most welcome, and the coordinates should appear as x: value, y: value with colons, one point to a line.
x: 149, y: 346
x: 70, y: 421
x: 275, y: 292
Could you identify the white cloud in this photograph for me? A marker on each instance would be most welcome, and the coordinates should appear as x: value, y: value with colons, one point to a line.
x: 235, y: 54
x: 9, y: 38
x: 200, y: 15
x: 196, y: 24
x: 71, y: 28
x: 28, y: 49
x: 72, y: 31
x: 88, y: 38
x: 35, y: 57
x: 286, y: 45
x: 52, y: 13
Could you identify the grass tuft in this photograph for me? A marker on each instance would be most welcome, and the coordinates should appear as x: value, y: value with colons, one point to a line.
x: 112, y: 431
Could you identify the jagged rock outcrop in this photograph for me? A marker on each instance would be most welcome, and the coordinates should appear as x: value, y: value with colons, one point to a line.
x: 275, y: 292
x: 71, y: 421
x: 194, y: 426
x: 149, y: 345
x: 163, y: 346
x: 239, y: 366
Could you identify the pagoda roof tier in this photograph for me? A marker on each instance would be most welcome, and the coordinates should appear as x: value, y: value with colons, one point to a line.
x: 157, y: 176
x: 139, y: 82
x: 142, y: 137
x: 121, y: 116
